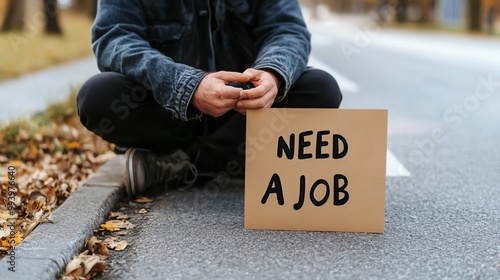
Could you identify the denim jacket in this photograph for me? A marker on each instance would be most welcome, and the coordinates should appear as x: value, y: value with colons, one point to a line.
x: 168, y: 46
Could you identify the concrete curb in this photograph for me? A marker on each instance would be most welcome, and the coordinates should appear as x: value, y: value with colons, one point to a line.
x: 45, y: 252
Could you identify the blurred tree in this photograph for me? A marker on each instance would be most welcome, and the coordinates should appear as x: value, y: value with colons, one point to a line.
x: 401, y: 10
x: 14, y: 19
x: 383, y: 8
x: 88, y: 7
x: 426, y: 7
x: 491, y: 9
x: 50, y: 9
x: 346, y: 5
x: 93, y: 8
x: 314, y: 8
x: 474, y: 15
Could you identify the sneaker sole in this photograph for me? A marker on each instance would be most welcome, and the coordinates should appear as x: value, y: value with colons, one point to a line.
x: 129, y: 180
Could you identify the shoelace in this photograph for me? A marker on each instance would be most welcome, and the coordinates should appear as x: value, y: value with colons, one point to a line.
x: 184, y: 173
x: 188, y: 176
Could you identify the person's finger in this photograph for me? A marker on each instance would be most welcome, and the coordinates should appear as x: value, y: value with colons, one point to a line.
x: 252, y: 73
x: 234, y: 77
x: 229, y: 92
x: 257, y: 103
x: 255, y: 92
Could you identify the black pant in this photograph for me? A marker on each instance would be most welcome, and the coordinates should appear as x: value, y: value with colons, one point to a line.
x: 122, y: 112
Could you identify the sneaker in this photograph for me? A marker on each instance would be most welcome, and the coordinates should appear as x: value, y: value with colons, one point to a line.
x: 144, y: 168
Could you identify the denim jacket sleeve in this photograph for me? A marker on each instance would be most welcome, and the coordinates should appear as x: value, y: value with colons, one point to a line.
x: 120, y: 45
x: 283, y: 40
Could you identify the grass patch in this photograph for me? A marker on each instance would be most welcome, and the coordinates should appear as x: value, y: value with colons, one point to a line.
x: 43, y: 129
x: 32, y: 49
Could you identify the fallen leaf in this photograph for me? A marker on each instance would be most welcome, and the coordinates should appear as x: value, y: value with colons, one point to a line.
x: 85, y: 265
x: 33, y: 149
x: 120, y: 246
x: 38, y: 137
x: 118, y: 215
x: 115, y: 225
x: 78, y: 272
x: 143, y: 199
x: 110, y: 227
x: 109, y: 239
x: 23, y: 135
x: 12, y: 240
x: 73, y: 169
x: 100, y: 266
x: 3, y: 159
x: 95, y: 246
x: 36, y: 201
x: 74, y: 145
x: 112, y: 243
x: 49, y: 181
x: 38, y: 215
x: 142, y: 211
x: 6, y: 214
x: 40, y: 175
x: 74, y: 266
x: 16, y: 163
x: 4, y: 232
x: 51, y: 195
x: 121, y: 232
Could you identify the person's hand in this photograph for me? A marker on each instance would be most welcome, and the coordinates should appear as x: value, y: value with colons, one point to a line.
x: 214, y: 97
x: 262, y: 95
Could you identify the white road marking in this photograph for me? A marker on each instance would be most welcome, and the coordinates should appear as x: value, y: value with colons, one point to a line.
x: 394, y: 168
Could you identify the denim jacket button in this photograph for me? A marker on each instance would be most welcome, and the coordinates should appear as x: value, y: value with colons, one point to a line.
x: 203, y: 13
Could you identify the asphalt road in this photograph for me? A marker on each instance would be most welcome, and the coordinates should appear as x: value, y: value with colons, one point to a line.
x: 442, y: 222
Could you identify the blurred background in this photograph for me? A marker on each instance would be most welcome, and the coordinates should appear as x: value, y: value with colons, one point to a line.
x: 460, y: 15
x: 25, y: 24
x: 39, y: 33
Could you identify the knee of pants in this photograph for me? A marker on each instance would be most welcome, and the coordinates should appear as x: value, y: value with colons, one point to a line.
x: 325, y: 83
x: 314, y: 88
x: 95, y: 96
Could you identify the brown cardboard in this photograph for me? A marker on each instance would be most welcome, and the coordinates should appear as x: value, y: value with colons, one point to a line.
x: 363, y: 165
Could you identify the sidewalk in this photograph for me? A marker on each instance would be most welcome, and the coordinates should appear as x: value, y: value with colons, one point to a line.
x: 31, y: 93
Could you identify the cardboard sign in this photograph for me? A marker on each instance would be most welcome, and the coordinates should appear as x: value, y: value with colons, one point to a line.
x: 316, y: 169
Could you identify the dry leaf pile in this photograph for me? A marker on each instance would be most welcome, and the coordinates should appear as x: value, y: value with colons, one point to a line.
x: 93, y: 259
x: 42, y: 162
